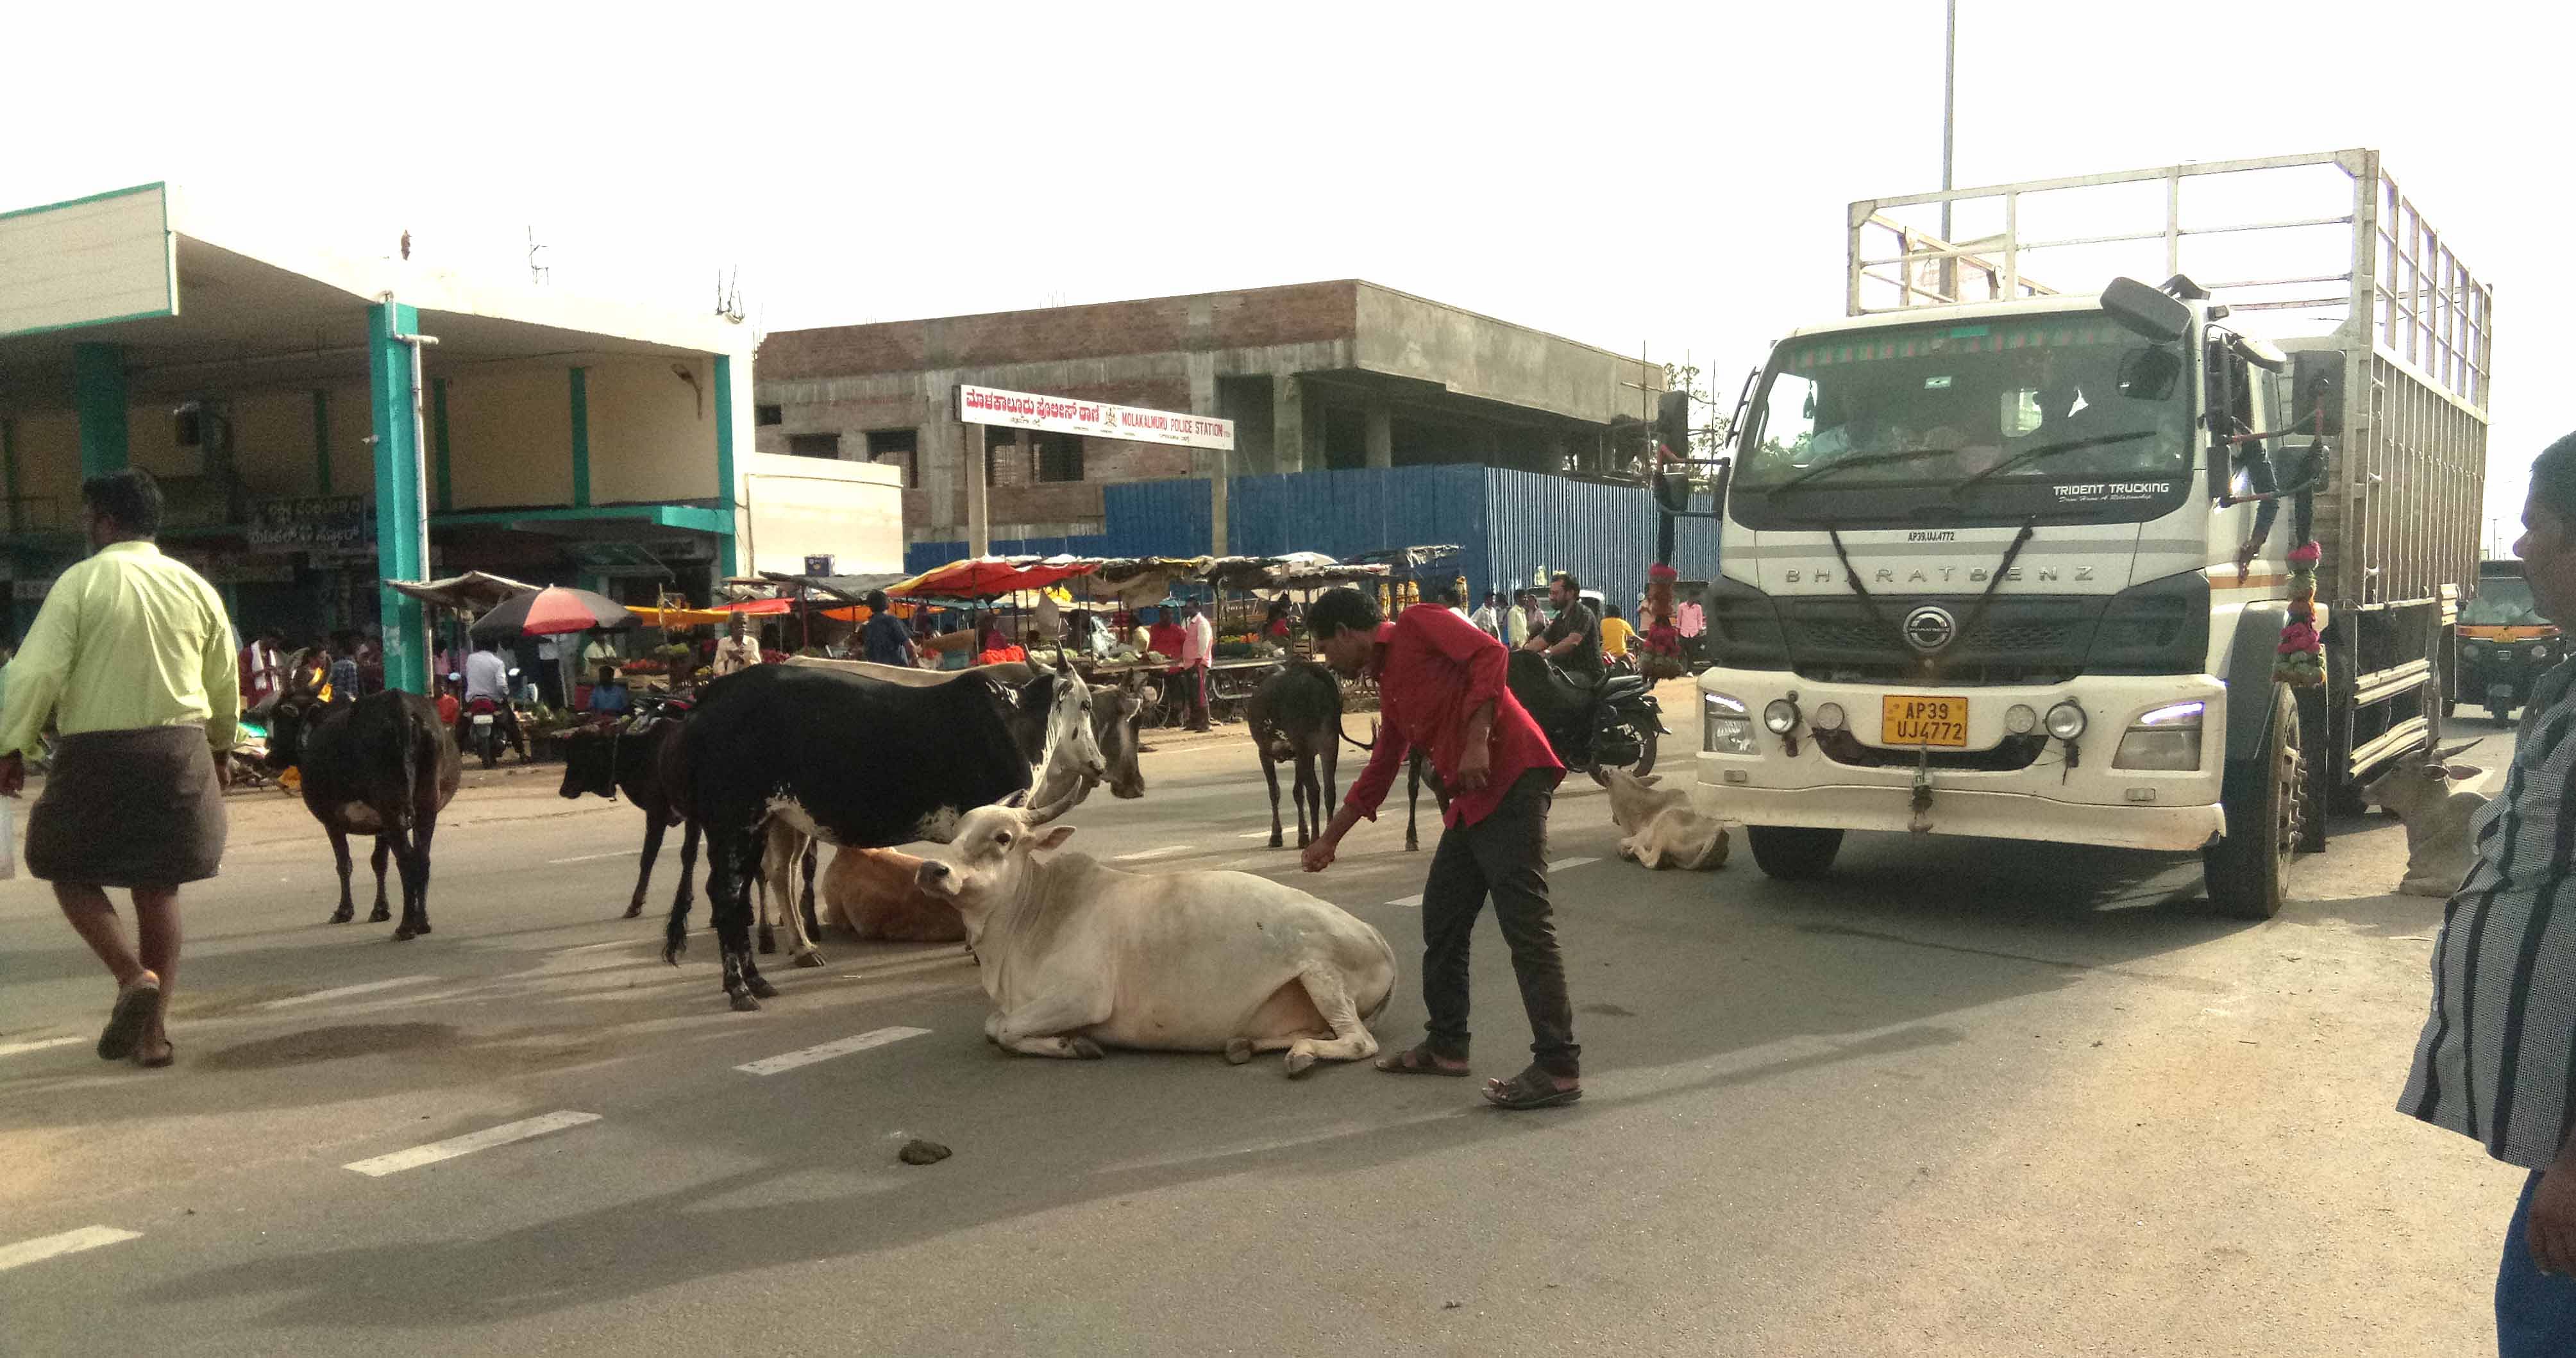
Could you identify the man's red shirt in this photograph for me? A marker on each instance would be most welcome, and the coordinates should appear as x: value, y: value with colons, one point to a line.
x: 1433, y: 669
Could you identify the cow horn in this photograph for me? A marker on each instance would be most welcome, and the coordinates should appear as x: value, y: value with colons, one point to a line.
x: 1015, y: 799
x: 1041, y: 815
x: 2446, y: 756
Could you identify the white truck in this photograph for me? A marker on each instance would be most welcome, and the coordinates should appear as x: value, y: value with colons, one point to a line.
x: 2004, y: 561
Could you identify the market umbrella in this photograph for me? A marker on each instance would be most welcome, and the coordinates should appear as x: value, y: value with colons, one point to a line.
x: 552, y: 610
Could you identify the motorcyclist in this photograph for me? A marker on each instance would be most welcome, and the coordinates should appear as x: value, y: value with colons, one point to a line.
x: 487, y: 678
x: 1568, y: 656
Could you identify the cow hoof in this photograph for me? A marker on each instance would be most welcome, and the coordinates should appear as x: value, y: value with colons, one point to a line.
x: 743, y: 1003
x: 809, y: 958
x: 1277, y: 843
x: 671, y: 953
x: 1083, y: 1048
x: 343, y: 916
x: 768, y: 947
x: 760, y: 986
x: 633, y: 910
x: 1299, y: 1063
x: 1238, y: 1050
x: 407, y: 933
x: 379, y: 916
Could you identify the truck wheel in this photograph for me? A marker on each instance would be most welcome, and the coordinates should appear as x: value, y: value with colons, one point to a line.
x: 1793, y: 853
x: 2248, y: 872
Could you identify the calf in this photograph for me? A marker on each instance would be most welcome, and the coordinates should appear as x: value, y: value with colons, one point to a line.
x: 850, y: 761
x: 1074, y: 954
x: 608, y: 760
x: 2439, y: 850
x: 381, y: 766
x: 1662, y: 829
x: 1295, y: 715
x: 877, y: 894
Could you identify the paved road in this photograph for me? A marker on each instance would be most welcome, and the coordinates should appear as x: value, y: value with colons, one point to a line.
x: 1964, y: 1098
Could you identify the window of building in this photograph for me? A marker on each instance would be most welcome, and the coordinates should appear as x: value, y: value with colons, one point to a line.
x: 901, y: 447
x: 1059, y: 457
x: 814, y: 445
x: 768, y: 415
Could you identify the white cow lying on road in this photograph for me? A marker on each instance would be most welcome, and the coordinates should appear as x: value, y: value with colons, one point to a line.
x: 1662, y: 829
x: 1076, y: 955
x: 2439, y: 848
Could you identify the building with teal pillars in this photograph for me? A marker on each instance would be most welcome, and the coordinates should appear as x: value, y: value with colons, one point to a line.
x: 323, y: 421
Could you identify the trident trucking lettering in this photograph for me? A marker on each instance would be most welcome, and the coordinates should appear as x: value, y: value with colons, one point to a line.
x: 2020, y: 568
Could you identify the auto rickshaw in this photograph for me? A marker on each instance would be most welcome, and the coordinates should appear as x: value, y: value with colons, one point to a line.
x: 2504, y: 644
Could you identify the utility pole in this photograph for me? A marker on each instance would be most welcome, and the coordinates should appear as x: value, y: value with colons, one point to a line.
x: 1949, y: 123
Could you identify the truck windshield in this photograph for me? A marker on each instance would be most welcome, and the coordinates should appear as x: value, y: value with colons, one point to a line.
x: 2503, y: 601
x: 2058, y: 414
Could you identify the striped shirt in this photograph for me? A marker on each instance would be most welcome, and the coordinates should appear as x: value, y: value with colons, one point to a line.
x: 2497, y: 1060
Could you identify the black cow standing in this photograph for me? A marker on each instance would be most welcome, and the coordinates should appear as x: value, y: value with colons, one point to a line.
x: 853, y: 761
x: 608, y: 760
x: 381, y: 766
x: 1294, y: 715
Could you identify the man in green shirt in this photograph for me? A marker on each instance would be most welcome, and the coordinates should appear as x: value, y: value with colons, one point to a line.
x: 132, y: 657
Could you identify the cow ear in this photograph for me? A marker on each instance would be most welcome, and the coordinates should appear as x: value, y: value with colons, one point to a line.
x: 2461, y: 773
x: 1647, y: 780
x: 1054, y: 838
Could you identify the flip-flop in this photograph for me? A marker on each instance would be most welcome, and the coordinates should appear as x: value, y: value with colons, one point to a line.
x: 1417, y: 1061
x: 1532, y: 1088
x: 132, y: 1016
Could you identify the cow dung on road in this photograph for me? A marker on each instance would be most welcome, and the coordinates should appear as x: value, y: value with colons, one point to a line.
x: 920, y: 1152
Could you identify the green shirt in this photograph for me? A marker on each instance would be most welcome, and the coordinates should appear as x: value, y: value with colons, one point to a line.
x: 127, y: 639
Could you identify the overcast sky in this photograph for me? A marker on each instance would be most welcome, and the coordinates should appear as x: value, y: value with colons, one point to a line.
x: 1666, y: 176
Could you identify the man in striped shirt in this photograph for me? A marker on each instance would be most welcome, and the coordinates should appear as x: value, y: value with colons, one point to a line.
x: 2497, y: 1060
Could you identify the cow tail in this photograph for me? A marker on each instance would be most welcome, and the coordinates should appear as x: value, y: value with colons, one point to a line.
x: 407, y: 735
x: 1364, y: 747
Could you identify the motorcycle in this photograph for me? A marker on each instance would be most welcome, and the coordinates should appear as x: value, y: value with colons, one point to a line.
x: 1595, y: 728
x: 483, y: 729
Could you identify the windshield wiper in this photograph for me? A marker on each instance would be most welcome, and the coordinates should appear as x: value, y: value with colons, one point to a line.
x: 1862, y: 460
x: 2052, y: 450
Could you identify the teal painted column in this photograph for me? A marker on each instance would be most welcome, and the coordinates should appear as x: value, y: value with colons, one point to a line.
x: 402, y: 537
x: 98, y: 393
x: 9, y: 467
x: 438, y: 442
x: 724, y: 461
x: 321, y: 441
x: 581, y: 438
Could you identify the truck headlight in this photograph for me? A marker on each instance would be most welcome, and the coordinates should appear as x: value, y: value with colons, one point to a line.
x: 2066, y: 721
x: 2166, y: 739
x: 1780, y: 716
x: 1728, y: 725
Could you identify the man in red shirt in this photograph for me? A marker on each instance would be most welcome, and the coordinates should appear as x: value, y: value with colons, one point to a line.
x: 1441, y: 687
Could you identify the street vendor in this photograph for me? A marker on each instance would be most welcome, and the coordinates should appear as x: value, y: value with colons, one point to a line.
x: 737, y: 651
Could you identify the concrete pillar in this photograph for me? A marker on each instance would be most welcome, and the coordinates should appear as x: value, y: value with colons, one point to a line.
x: 98, y: 393
x: 1287, y: 423
x: 728, y: 484
x: 402, y: 518
x: 1381, y: 435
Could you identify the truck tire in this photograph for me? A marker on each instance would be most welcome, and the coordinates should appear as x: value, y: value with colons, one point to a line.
x: 2248, y: 872
x: 1793, y: 853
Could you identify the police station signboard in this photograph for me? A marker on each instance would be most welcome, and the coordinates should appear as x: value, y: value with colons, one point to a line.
x: 1098, y: 419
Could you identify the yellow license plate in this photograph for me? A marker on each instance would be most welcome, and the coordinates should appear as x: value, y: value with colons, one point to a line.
x: 1924, y: 721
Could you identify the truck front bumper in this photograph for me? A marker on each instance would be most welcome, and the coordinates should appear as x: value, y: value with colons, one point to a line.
x: 1993, y: 815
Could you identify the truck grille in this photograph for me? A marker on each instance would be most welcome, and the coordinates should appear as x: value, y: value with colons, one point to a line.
x: 2160, y: 627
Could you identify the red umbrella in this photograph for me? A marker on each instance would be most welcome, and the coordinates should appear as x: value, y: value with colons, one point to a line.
x: 552, y: 610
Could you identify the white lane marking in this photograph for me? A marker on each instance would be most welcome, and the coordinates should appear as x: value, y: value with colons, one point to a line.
x: 1413, y: 902
x: 345, y: 992
x: 1254, y: 834
x: 1562, y: 864
x: 469, y: 1143
x: 1148, y: 855
x: 69, y: 1242
x: 595, y: 857
x: 810, y: 1055
x: 14, y: 1048
x: 595, y: 947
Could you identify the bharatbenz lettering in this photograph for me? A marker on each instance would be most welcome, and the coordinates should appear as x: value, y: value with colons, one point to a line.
x: 2004, y: 562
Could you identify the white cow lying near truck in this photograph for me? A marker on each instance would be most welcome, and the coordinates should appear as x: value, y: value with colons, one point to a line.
x: 1076, y: 955
x: 2439, y: 848
x: 1662, y: 829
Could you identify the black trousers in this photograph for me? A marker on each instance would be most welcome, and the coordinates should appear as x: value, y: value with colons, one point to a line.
x: 1503, y: 856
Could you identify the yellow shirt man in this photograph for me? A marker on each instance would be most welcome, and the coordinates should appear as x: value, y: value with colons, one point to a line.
x: 127, y: 639
x: 1615, y: 635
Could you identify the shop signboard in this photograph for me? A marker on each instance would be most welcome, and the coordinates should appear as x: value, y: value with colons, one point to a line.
x: 1098, y: 419
x: 330, y: 524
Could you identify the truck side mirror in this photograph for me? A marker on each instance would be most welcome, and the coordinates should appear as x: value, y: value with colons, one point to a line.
x: 2316, y: 380
x: 2146, y: 312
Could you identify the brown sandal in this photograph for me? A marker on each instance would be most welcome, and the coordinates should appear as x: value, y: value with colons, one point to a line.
x: 1419, y: 1061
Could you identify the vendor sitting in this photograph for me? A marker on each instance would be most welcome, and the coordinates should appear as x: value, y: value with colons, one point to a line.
x: 608, y: 697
